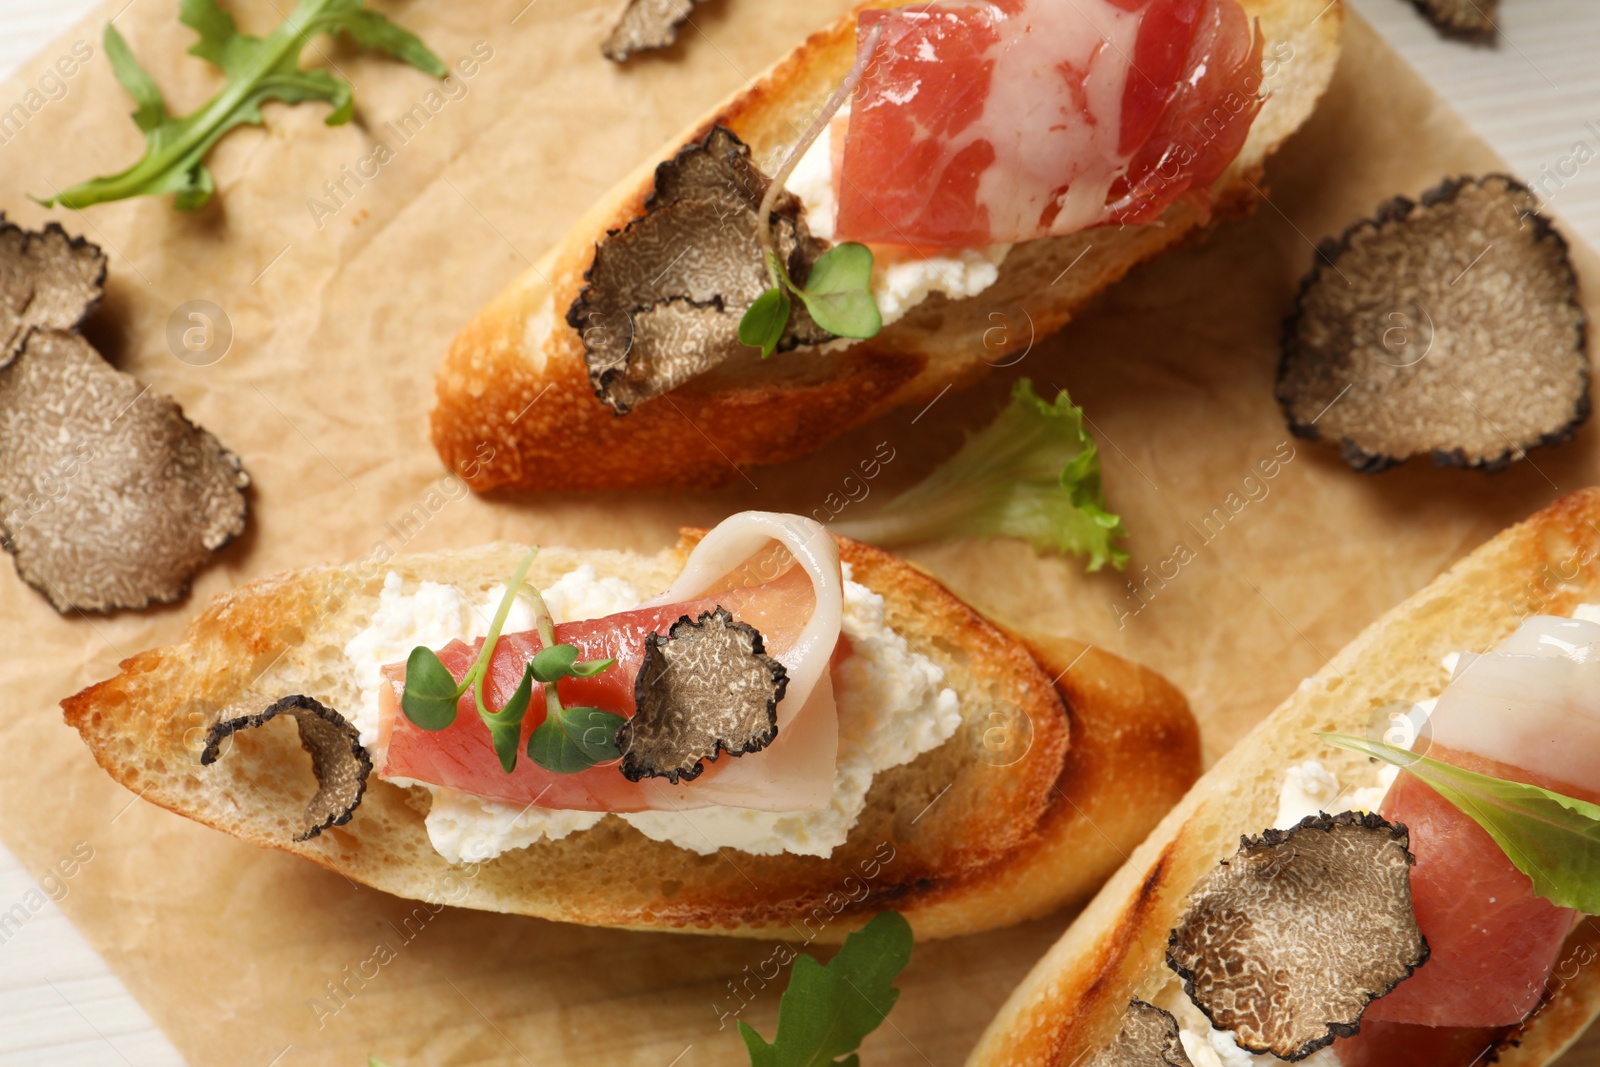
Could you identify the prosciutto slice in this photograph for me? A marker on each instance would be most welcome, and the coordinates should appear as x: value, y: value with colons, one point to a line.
x: 779, y: 573
x: 987, y: 121
x: 1529, y: 711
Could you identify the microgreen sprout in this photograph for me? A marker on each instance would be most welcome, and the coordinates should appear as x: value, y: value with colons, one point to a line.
x: 570, y: 739
x: 838, y: 292
x: 432, y: 694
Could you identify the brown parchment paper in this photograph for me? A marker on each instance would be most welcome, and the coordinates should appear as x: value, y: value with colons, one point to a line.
x: 339, y: 315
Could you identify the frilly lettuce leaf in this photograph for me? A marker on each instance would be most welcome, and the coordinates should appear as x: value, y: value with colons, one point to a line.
x: 1033, y: 473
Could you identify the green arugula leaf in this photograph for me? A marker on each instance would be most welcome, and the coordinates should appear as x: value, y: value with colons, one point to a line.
x: 839, y: 292
x: 257, y: 69
x: 152, y: 108
x: 220, y: 42
x: 763, y: 323
x: 574, y: 739
x: 369, y: 29
x: 431, y: 691
x: 828, y: 1010
x: 1033, y: 473
x: 1551, y: 838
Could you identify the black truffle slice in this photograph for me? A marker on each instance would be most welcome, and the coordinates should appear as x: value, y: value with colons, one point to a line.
x: 338, y: 760
x: 1470, y: 19
x: 109, y: 497
x: 665, y: 293
x: 706, y: 687
x: 1287, y: 943
x: 646, y: 25
x: 48, y: 281
x: 1148, y: 1038
x: 1448, y: 327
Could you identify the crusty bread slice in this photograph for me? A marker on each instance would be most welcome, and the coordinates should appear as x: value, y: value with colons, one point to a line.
x: 957, y: 840
x: 749, y: 412
x: 1072, y: 1001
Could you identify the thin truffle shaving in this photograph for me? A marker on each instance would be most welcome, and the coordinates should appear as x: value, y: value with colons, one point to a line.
x: 644, y: 26
x: 1148, y: 1038
x: 109, y: 497
x: 704, y: 688
x: 1447, y: 327
x: 1469, y: 19
x: 1288, y: 942
x: 665, y: 294
x: 339, y: 762
x: 48, y: 281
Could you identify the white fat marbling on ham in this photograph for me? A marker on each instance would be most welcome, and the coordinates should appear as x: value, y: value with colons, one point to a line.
x: 1533, y: 703
x: 750, y: 548
x: 1028, y: 116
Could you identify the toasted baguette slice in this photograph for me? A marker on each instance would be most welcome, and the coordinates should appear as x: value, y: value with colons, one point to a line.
x: 1072, y: 1002
x: 962, y: 839
x: 751, y: 411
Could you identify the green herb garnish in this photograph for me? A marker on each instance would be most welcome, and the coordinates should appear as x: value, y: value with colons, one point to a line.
x: 432, y: 693
x: 1033, y: 473
x: 838, y: 292
x: 827, y: 1011
x: 257, y: 69
x: 570, y: 739
x: 1553, y: 839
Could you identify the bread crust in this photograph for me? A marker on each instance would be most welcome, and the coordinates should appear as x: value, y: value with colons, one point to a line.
x: 1071, y: 1002
x: 956, y: 842
x: 515, y: 378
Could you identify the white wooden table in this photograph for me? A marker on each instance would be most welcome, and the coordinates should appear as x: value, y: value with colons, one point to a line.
x: 1535, y: 96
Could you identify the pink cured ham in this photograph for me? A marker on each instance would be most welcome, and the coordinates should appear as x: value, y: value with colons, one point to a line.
x: 1529, y: 711
x: 779, y: 573
x: 985, y: 121
x: 1492, y: 942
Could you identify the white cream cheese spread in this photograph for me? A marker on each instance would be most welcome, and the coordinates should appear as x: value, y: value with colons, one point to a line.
x: 900, y: 279
x: 891, y: 702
